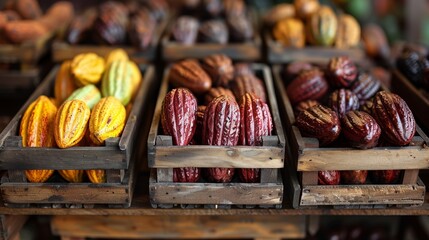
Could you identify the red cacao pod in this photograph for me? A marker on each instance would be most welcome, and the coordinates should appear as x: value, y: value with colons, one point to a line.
x: 248, y: 83
x: 319, y: 122
x: 354, y: 177
x: 343, y: 101
x: 309, y: 85
x: 219, y: 175
x: 189, y: 74
x: 385, y: 176
x: 365, y: 86
x: 329, y: 177
x: 342, y: 71
x: 304, y: 105
x: 250, y: 175
x: 367, y: 106
x: 178, y: 115
x: 360, y: 129
x: 186, y: 174
x: 394, y: 117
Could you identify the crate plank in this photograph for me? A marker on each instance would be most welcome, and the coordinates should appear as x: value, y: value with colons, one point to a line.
x: 11, y: 225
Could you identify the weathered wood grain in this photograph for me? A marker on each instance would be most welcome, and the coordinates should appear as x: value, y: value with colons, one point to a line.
x: 179, y: 227
x: 363, y: 194
x: 11, y: 225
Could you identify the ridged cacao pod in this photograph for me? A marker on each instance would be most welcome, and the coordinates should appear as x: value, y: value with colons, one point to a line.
x: 186, y: 174
x: 185, y: 30
x: 198, y: 136
x: 220, y: 69
x: 157, y: 8
x: 117, y: 81
x: 240, y: 28
x: 212, y: 8
x: 234, y: 7
x: 385, y: 176
x: 367, y: 106
x: 365, y: 86
x: 70, y: 123
x: 96, y: 176
x: 306, y: 8
x: 216, y: 92
x: 189, y: 74
x: 80, y: 26
x: 343, y: 101
x: 319, y: 122
x: 178, y: 115
x: 348, y: 33
x: 278, y: 12
x: 375, y: 41
x: 322, y: 27
x: 250, y: 175
x: 249, y: 83
x: 73, y: 176
x: 219, y: 175
x: 290, y: 32
x: 141, y: 30
x: 394, y: 117
x: 213, y: 31
x: 242, y: 69
x: 293, y: 69
x: 88, y: 94
x: 309, y: 85
x: 411, y: 65
x: 116, y: 54
x: 64, y: 82
x: 87, y: 68
x: 354, y: 177
x: 342, y: 71
x: 330, y: 177
x: 304, y: 105
x: 37, y: 130
x: 111, y: 24
x: 360, y: 129
x: 107, y: 120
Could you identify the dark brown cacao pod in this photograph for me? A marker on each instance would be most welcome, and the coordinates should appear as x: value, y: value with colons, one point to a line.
x: 385, y: 176
x: 329, y: 177
x: 80, y: 26
x: 394, y: 117
x: 185, y: 30
x: 240, y: 28
x: 242, y: 69
x: 186, y: 174
x: 319, y: 122
x: 219, y: 175
x: 342, y: 71
x: 212, y: 8
x: 157, y: 8
x: 111, y: 24
x: 304, y: 105
x: 141, y: 30
x: 189, y: 74
x: 367, y: 106
x: 293, y: 69
x: 360, y: 129
x: 365, y: 86
x: 249, y: 175
x: 198, y: 136
x: 243, y: 84
x: 213, y: 31
x: 354, y: 177
x: 178, y: 115
x: 342, y: 101
x: 216, y: 92
x: 220, y: 69
x: 309, y: 85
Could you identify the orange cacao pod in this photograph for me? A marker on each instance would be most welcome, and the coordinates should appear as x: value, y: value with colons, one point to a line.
x: 64, y: 83
x: 290, y: 32
x: 96, y: 176
x: 348, y: 33
x: 73, y: 176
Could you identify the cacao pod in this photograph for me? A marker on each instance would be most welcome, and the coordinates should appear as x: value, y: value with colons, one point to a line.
x: 178, y: 115
x: 185, y: 30
x: 198, y: 136
x: 96, y: 176
x: 213, y: 31
x: 375, y: 41
x: 70, y: 123
x: 234, y: 7
x: 278, y: 12
x: 250, y: 175
x: 354, y: 177
x: 322, y: 27
x: 64, y: 82
x: 219, y: 175
x: 342, y: 101
x: 290, y: 33
x: 141, y: 30
x: 88, y: 94
x: 385, y: 176
x: 116, y: 54
x: 111, y: 24
x: 248, y: 83
x: 304, y: 105
x: 305, y: 8
x: 220, y: 69
x: 37, y: 130
x: 80, y: 26
x: 360, y: 129
x: 242, y: 69
x: 319, y: 122
x: 342, y: 71
x: 394, y: 117
x: 348, y: 33
x: 187, y: 174
x: 367, y: 106
x: 293, y: 69
x: 87, y: 68
x: 309, y: 85
x: 107, y: 120
x: 73, y: 176
x: 240, y: 28
x: 331, y: 177
x: 117, y: 81
x: 365, y: 86
x: 189, y: 74
x: 136, y: 77
x: 28, y: 9
x: 216, y: 92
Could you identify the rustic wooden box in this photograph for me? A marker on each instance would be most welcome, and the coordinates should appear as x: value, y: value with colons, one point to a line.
x: 163, y: 157
x: 114, y: 157
x: 277, y: 53
x: 415, y: 99
x: 307, y: 158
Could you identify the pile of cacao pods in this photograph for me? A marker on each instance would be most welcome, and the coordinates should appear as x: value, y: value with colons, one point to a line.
x: 307, y: 21
x: 117, y: 22
x: 23, y: 20
x: 219, y: 21
x: 80, y: 114
x: 414, y: 64
x: 342, y: 106
x: 214, y: 102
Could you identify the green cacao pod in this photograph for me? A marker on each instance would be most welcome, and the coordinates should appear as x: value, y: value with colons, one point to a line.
x: 118, y: 81
x: 88, y: 94
x: 322, y: 27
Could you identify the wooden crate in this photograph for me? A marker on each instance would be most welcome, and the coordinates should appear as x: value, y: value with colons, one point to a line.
x: 61, y: 50
x: 277, y: 53
x: 163, y: 156
x: 11, y: 225
x: 415, y: 99
x: 114, y: 157
x: 307, y: 158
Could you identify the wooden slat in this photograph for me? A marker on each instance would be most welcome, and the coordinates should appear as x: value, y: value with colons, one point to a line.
x: 410, y: 176
x: 362, y: 194
x: 11, y: 225
x: 179, y: 227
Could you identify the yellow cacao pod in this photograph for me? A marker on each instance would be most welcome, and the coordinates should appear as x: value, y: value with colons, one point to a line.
x: 290, y: 32
x: 136, y: 77
x: 87, y: 68
x: 96, y: 176
x: 107, y: 120
x: 37, y: 130
x: 117, y: 54
x: 70, y: 123
x: 305, y: 8
x: 64, y: 82
x: 322, y: 27
x: 73, y: 176
x: 348, y: 33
